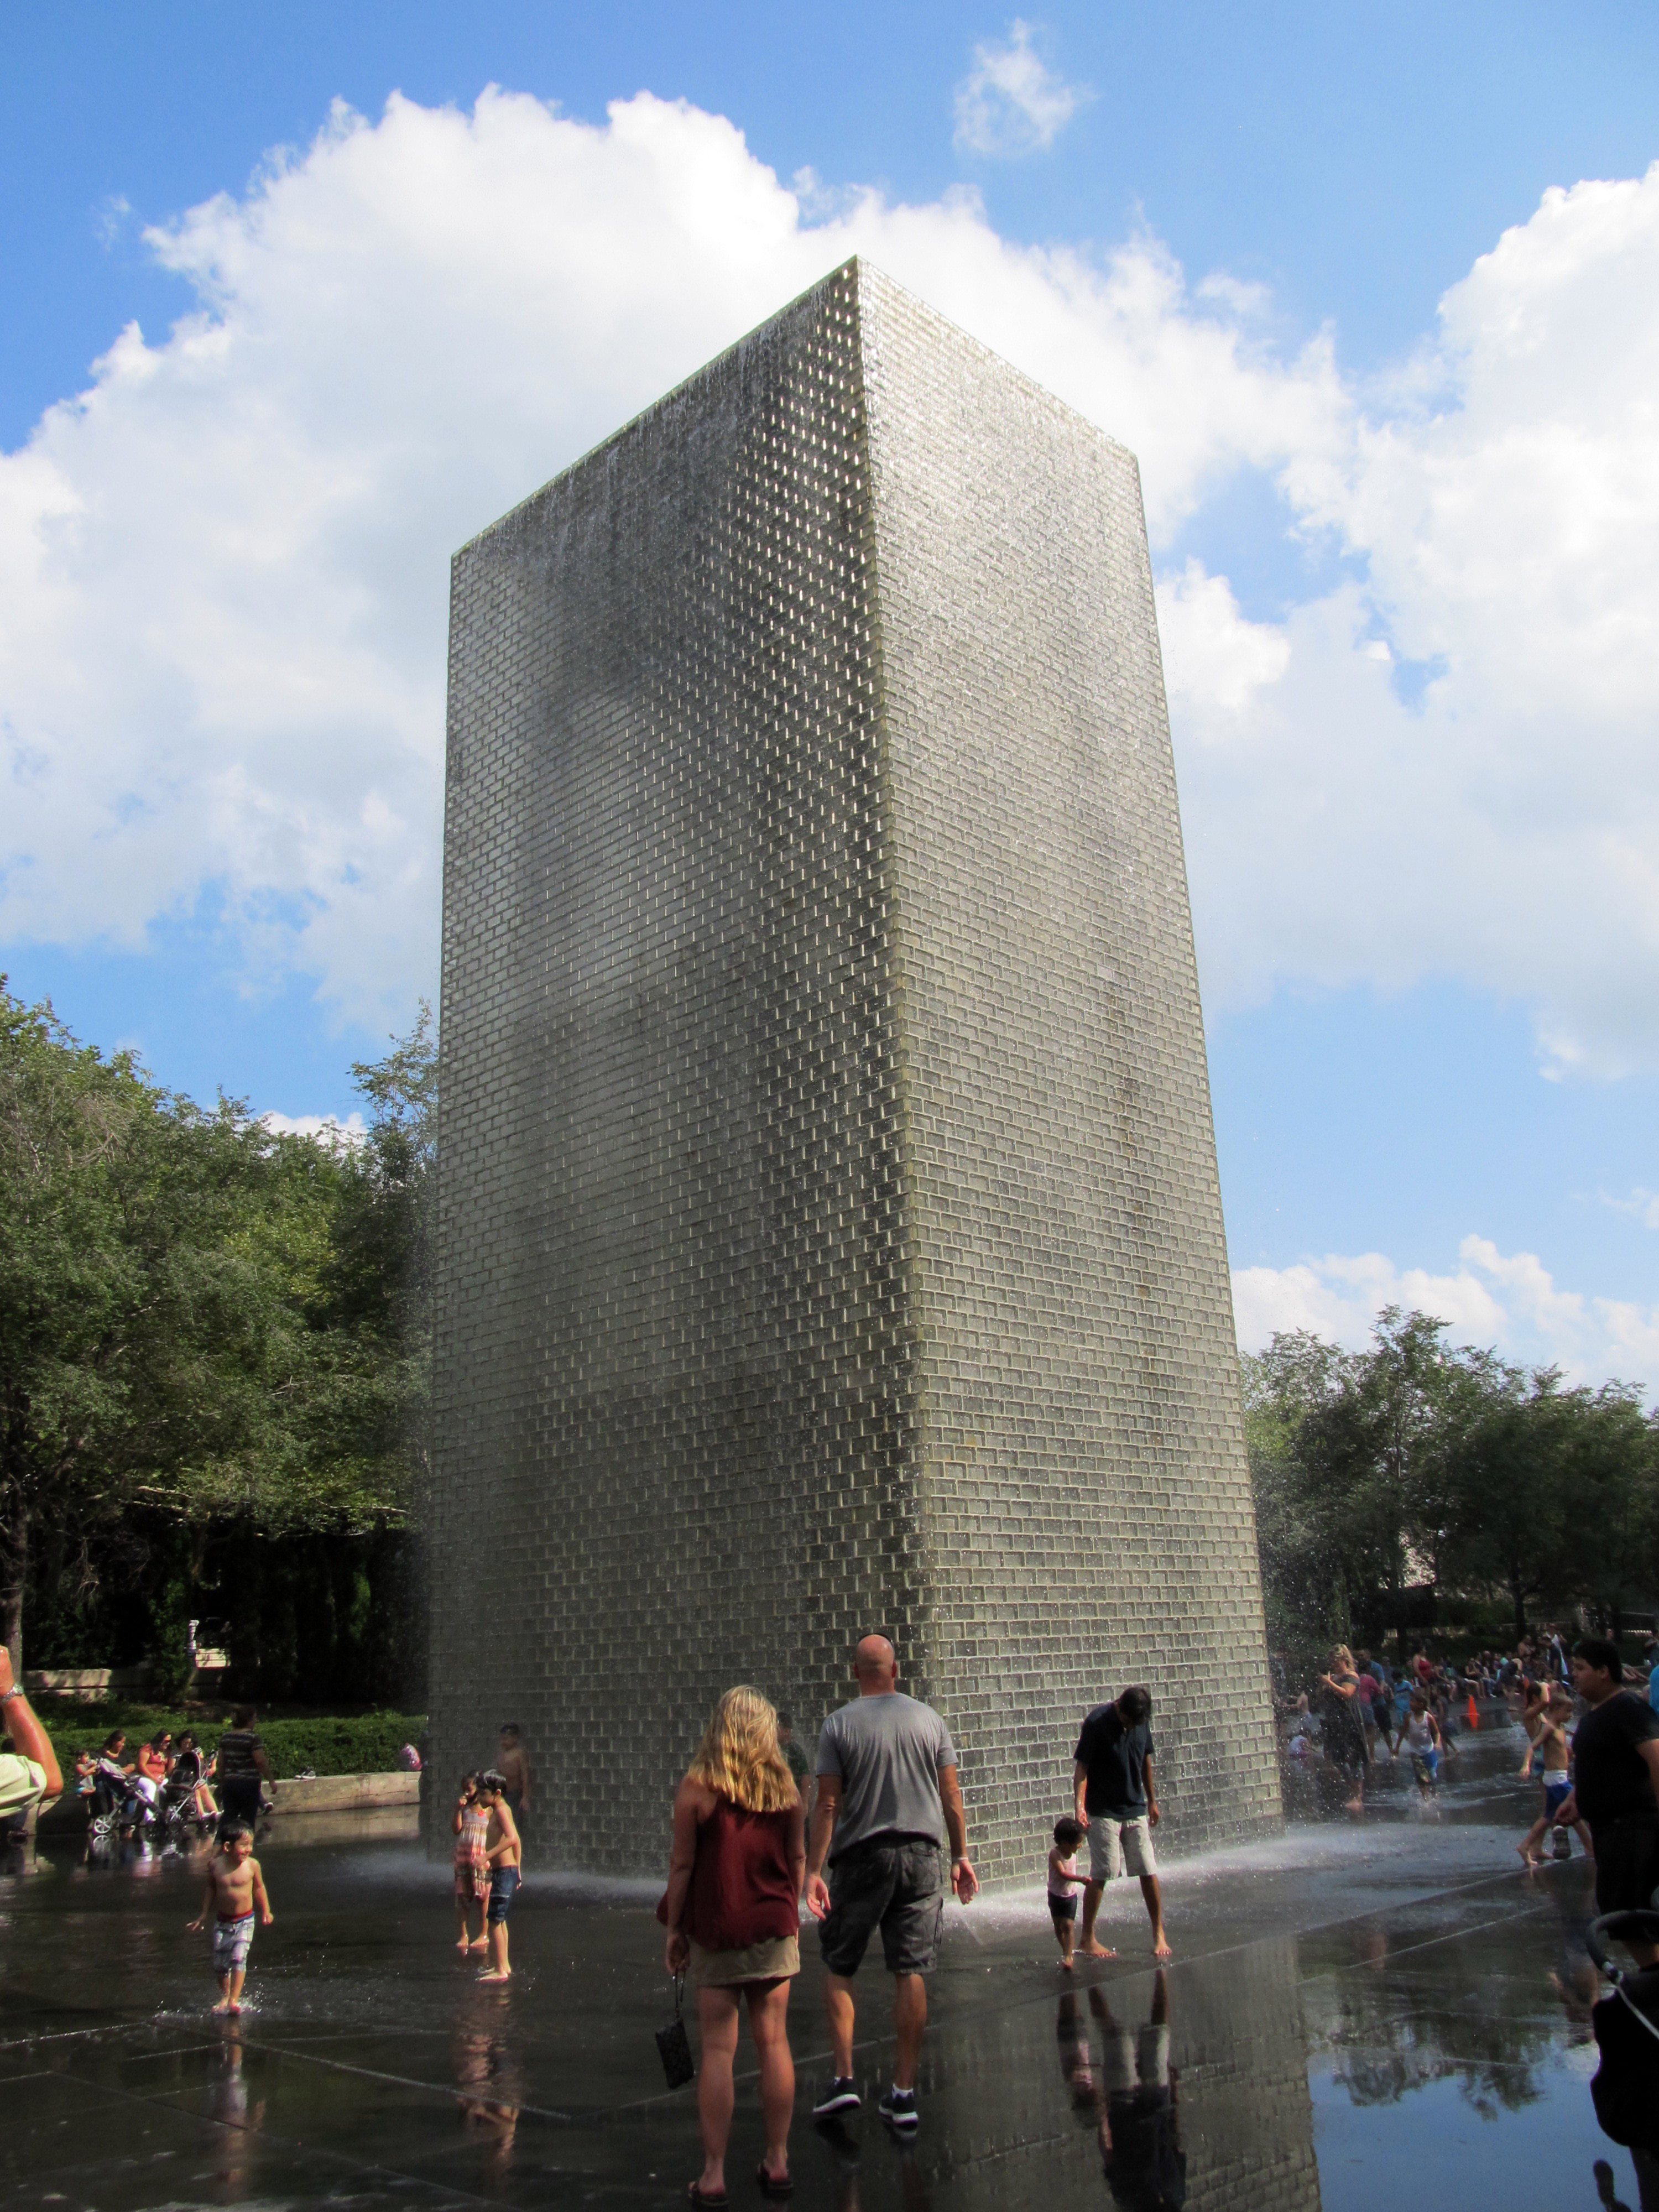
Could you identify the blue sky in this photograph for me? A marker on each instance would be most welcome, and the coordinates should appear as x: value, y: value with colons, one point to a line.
x: 1404, y: 559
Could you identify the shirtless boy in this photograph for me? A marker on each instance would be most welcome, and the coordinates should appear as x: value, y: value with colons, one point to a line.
x: 1422, y: 1739
x: 1550, y: 1738
x: 234, y: 1887
x: 502, y: 1854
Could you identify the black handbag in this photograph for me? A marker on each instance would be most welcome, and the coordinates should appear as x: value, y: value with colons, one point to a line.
x: 674, y: 2045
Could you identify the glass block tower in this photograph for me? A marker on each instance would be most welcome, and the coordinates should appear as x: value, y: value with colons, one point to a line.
x: 830, y: 1236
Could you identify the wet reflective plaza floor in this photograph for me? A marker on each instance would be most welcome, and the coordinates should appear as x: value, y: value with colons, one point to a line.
x: 1385, y: 2011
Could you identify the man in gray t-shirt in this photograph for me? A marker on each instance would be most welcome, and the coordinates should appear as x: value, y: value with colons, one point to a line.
x: 886, y: 1752
x: 887, y: 1773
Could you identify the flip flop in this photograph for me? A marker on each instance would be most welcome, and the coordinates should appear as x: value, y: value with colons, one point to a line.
x: 696, y: 2195
x: 770, y: 2185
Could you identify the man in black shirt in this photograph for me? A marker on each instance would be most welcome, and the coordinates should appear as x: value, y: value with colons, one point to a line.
x: 1117, y: 1803
x: 1615, y: 1751
x: 242, y: 1766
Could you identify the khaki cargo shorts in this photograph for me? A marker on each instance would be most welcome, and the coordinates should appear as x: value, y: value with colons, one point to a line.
x: 1118, y: 1847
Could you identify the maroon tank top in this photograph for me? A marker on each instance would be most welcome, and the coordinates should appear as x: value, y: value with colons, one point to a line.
x: 743, y: 1887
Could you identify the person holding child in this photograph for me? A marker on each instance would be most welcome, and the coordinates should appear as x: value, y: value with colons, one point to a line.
x: 732, y: 1912
x: 1344, y: 1733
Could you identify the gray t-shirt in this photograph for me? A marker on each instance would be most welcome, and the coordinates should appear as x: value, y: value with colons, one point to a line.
x: 887, y: 1751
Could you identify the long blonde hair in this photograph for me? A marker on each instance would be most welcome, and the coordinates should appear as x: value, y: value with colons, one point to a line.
x: 738, y: 1757
x: 1341, y: 1656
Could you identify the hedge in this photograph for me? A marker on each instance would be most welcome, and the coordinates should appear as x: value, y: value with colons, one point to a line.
x: 367, y: 1743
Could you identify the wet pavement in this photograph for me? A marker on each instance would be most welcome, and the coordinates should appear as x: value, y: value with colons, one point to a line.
x: 1380, y: 2012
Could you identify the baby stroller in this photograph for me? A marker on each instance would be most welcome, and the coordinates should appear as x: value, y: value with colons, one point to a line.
x: 120, y: 1805
x: 1626, y: 2089
x: 179, y: 1812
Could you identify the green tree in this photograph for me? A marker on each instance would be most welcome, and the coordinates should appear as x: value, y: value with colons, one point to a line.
x: 201, y: 1319
x: 1415, y: 1464
x: 1301, y: 1568
x: 1349, y: 1458
x: 131, y: 1322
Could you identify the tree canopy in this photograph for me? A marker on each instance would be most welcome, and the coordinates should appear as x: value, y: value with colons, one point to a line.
x: 1414, y: 1472
x: 202, y: 1318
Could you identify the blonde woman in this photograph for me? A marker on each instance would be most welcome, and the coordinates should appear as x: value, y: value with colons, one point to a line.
x: 1344, y: 1735
x: 733, y: 1910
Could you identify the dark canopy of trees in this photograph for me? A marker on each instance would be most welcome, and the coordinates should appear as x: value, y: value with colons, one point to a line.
x: 1418, y: 1481
x: 214, y: 1344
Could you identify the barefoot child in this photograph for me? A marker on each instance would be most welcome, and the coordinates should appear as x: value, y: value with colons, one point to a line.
x: 502, y: 1854
x: 1064, y: 1883
x: 1422, y: 1739
x: 234, y: 1886
x: 1550, y: 1742
x: 471, y: 1827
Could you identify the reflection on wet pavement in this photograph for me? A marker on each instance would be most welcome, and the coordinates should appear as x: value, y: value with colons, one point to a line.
x: 1383, y: 2011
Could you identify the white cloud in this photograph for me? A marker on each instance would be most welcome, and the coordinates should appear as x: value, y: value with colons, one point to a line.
x: 223, y: 568
x: 1011, y: 101
x: 1502, y: 492
x: 1641, y: 1205
x: 343, y: 1136
x: 1505, y: 1300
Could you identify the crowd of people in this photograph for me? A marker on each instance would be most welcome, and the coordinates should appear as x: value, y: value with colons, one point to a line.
x: 174, y: 1785
x: 884, y: 1841
x: 1591, y: 1722
x: 1361, y: 1709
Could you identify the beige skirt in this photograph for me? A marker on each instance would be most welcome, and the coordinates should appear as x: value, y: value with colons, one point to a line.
x: 773, y: 1960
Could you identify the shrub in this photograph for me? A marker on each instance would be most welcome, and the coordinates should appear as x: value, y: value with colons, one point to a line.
x: 364, y: 1743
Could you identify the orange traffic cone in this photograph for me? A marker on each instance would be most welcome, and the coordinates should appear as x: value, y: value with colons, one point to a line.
x: 1474, y: 1717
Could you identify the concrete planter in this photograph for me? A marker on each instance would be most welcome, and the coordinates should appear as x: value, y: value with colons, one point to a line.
x: 342, y: 1793
x: 86, y: 1685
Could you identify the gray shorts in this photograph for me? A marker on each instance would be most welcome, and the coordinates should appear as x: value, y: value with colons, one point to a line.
x: 231, y: 1939
x: 894, y: 1883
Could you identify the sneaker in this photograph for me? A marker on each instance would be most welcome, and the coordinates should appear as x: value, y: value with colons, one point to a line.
x: 841, y: 2096
x: 899, y: 2106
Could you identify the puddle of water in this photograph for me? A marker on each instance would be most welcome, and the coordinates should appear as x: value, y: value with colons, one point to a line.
x: 1496, y: 2136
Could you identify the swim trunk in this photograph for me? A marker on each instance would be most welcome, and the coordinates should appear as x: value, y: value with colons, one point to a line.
x: 889, y: 1882
x: 1062, y: 1910
x: 1556, y: 1795
x: 1120, y: 1843
x: 1425, y: 1765
x: 231, y: 1939
x: 503, y: 1888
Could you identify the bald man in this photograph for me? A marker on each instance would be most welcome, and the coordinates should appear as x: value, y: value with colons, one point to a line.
x: 887, y: 1771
